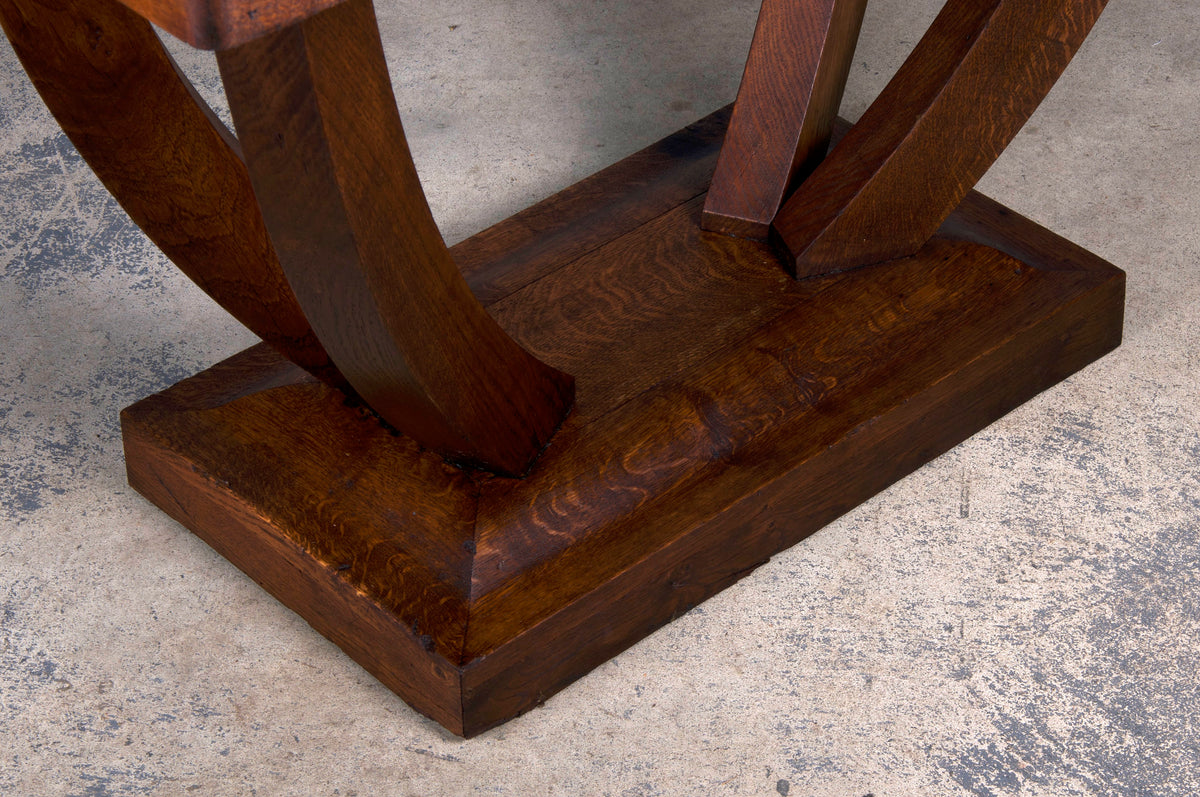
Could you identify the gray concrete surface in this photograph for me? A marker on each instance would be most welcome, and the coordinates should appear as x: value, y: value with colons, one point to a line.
x: 1022, y: 616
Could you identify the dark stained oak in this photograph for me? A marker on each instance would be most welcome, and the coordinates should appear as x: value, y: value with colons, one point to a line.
x: 748, y: 414
x: 700, y: 446
x: 322, y: 566
x: 160, y: 151
x: 968, y: 87
x: 616, y: 200
x: 783, y: 118
x: 218, y: 24
x: 326, y: 152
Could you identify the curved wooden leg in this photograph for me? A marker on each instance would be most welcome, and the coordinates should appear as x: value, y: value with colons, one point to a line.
x: 170, y: 163
x: 781, y: 124
x: 967, y: 89
x: 314, y: 111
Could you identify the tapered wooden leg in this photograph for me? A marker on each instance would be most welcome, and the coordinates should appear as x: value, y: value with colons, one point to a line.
x: 971, y: 83
x: 314, y: 110
x: 789, y: 97
x: 170, y: 163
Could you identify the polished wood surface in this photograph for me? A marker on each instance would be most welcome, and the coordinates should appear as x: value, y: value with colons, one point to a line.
x: 218, y: 24
x: 618, y: 199
x: 410, y: 630
x: 729, y: 412
x: 967, y: 88
x: 164, y: 156
x: 323, y: 140
x: 788, y: 99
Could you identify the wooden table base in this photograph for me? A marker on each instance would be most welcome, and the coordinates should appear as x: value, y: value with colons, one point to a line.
x: 724, y: 412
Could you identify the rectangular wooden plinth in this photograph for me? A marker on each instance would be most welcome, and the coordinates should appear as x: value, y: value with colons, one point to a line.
x: 724, y: 413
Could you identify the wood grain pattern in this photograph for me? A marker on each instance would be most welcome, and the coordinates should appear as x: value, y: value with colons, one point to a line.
x: 415, y: 564
x: 682, y: 315
x: 783, y: 118
x: 311, y: 561
x: 163, y: 155
x: 971, y: 83
x: 787, y: 395
x: 325, y: 147
x: 660, y: 583
x: 219, y: 24
x: 730, y: 447
x: 554, y: 232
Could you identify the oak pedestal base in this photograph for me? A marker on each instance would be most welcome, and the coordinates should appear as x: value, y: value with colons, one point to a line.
x: 724, y: 412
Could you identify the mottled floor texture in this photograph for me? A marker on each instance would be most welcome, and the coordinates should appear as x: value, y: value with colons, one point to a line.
x: 1021, y: 616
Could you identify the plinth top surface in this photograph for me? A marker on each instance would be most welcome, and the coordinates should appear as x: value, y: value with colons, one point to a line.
x: 220, y: 24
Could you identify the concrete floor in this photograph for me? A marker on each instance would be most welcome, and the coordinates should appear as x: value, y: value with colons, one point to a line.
x: 1021, y: 616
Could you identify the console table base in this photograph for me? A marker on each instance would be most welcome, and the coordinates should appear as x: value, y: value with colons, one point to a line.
x: 726, y: 413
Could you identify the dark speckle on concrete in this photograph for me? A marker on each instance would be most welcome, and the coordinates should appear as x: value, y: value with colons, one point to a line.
x: 1106, y: 670
x: 984, y: 770
x: 116, y: 782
